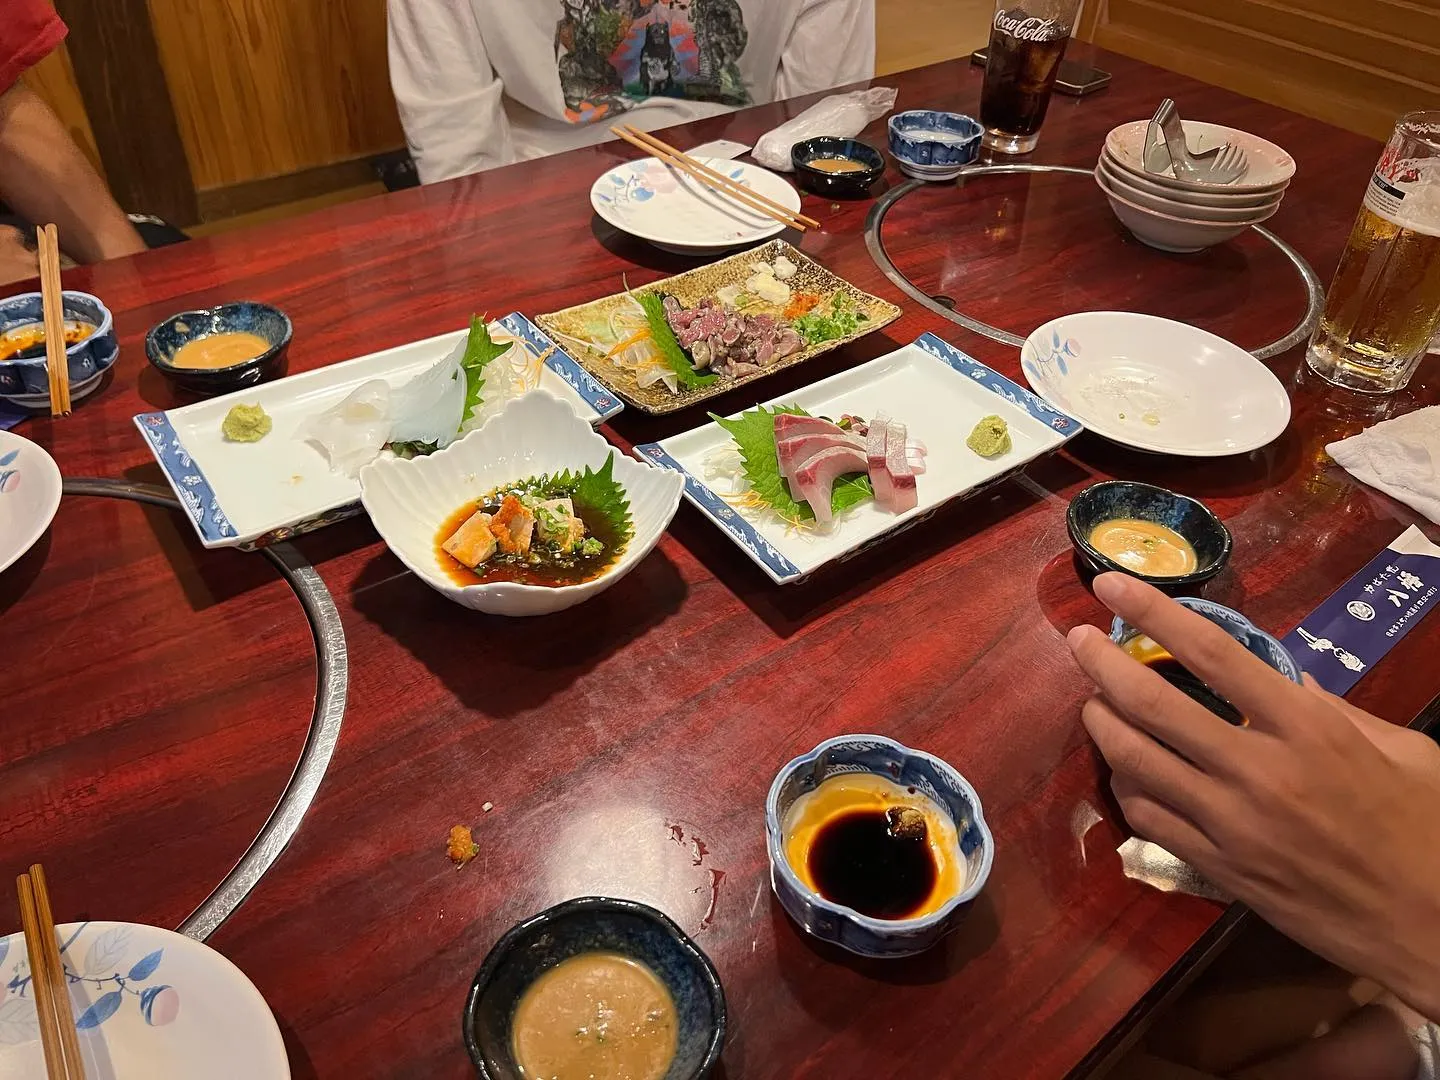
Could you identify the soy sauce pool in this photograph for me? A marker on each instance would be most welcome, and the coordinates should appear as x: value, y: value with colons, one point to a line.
x: 857, y: 860
x: 1157, y: 659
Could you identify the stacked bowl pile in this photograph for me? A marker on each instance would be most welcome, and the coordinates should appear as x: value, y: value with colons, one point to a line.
x: 1135, y: 174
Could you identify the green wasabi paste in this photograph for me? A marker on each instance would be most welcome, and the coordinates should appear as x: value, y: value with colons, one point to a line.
x: 246, y: 423
x: 991, y: 437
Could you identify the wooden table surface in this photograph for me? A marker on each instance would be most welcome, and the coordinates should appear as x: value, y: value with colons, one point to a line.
x: 157, y: 695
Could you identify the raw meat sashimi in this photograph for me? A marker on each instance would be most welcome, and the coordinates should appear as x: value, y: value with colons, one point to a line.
x: 817, y: 474
x: 788, y: 424
x: 902, y: 477
x: 875, y: 462
x: 791, y: 452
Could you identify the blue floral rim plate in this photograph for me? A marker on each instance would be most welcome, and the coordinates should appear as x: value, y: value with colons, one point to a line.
x: 928, y: 774
x: 940, y: 402
x: 87, y: 359
x: 149, y: 1004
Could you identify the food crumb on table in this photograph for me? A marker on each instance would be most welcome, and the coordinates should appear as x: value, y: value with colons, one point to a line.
x: 461, y: 847
x: 488, y: 807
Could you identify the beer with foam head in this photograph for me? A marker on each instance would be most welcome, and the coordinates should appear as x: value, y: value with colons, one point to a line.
x: 1383, y: 306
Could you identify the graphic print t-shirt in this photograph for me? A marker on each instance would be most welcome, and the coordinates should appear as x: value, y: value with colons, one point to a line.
x: 481, y: 83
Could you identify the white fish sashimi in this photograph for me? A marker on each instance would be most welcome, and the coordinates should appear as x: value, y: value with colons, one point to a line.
x: 352, y: 433
x: 429, y: 406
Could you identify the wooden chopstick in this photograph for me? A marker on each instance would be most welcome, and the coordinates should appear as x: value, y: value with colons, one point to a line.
x: 714, y: 180
x: 53, y: 303
x: 47, y: 978
x: 64, y: 1015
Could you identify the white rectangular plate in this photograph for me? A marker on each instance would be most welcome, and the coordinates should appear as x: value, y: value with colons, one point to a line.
x: 250, y: 494
x: 938, y: 392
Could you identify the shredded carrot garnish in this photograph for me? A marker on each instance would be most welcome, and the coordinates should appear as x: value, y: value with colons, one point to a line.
x: 633, y: 339
x: 801, y: 304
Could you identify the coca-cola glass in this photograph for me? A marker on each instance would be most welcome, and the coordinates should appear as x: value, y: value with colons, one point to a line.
x: 1027, y: 42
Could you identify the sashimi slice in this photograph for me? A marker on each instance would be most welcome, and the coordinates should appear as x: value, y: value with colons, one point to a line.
x: 788, y: 424
x: 816, y: 476
x: 428, y: 407
x: 792, y: 451
x: 352, y: 432
x: 904, y: 495
x: 875, y: 463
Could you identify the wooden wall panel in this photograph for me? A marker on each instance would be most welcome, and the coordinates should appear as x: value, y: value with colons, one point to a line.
x: 1357, y: 65
x: 54, y: 80
x: 269, y: 87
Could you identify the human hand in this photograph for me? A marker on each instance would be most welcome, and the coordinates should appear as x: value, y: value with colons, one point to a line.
x: 1322, y: 818
x: 17, y: 262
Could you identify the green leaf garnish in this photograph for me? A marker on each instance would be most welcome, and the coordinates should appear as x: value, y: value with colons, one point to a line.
x: 669, y: 347
x: 598, y: 499
x: 841, y: 321
x: 754, y: 434
x: 479, y: 351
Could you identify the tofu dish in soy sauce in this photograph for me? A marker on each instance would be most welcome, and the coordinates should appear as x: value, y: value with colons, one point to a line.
x: 549, y: 530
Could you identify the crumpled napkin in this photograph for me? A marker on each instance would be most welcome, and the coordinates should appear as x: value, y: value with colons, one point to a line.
x: 841, y: 115
x: 1401, y: 457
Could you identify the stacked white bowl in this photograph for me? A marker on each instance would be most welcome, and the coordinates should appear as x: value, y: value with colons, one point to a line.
x: 1187, y: 215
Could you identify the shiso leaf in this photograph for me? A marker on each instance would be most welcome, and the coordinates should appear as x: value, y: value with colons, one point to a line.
x: 596, y: 496
x: 754, y: 434
x: 665, y: 341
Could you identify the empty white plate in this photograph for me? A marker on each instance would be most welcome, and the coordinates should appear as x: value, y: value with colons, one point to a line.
x: 149, y: 1004
x: 29, y: 495
x: 676, y: 212
x: 1155, y: 384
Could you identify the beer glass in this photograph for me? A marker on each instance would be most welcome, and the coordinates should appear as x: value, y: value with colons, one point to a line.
x: 1384, y: 303
x: 1027, y: 40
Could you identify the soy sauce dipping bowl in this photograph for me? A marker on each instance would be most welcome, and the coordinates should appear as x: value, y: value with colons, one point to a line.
x: 165, y: 339
x: 837, y: 185
x: 1257, y: 642
x: 1189, y: 517
x: 590, y: 924
x: 931, y: 777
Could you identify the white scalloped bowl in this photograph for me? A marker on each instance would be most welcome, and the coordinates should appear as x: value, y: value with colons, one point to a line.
x: 536, y: 434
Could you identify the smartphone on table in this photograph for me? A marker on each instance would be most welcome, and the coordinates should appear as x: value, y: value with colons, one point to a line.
x: 1074, y: 78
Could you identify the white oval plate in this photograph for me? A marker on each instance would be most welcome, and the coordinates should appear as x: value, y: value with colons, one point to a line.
x: 674, y: 211
x: 29, y: 495
x: 1155, y: 384
x: 149, y: 1004
x: 536, y: 434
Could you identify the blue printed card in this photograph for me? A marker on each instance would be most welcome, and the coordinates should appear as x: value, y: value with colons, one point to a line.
x: 1350, y: 632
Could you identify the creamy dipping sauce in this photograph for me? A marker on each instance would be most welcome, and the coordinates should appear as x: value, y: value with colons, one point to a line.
x: 596, y: 1016
x: 836, y: 165
x: 1146, y: 547
x: 219, y: 350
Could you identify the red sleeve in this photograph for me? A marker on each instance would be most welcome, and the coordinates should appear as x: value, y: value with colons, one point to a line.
x: 29, y: 30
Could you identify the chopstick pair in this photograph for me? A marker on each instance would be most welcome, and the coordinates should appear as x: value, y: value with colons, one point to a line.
x: 47, y: 978
x: 714, y: 180
x: 57, y: 364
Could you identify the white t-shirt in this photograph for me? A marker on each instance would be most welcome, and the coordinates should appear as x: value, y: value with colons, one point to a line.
x: 482, y: 83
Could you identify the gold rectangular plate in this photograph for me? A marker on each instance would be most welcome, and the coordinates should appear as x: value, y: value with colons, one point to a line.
x: 690, y: 288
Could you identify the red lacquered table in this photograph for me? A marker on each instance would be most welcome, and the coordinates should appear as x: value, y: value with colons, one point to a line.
x: 156, y: 695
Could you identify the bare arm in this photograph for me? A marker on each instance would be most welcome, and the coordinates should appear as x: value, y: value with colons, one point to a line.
x: 44, y: 177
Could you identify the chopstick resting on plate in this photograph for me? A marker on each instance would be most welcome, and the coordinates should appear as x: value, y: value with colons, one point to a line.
x: 47, y: 977
x: 57, y: 363
x: 716, y: 181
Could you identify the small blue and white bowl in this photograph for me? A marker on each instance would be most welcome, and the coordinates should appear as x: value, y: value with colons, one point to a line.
x: 1256, y: 641
x: 932, y: 145
x: 591, y: 924
x: 931, y: 777
x: 25, y: 382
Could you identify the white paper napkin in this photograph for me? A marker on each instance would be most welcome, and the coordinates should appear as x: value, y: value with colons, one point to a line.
x: 1401, y: 457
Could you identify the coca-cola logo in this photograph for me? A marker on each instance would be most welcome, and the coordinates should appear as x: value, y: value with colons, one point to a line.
x: 1027, y: 27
